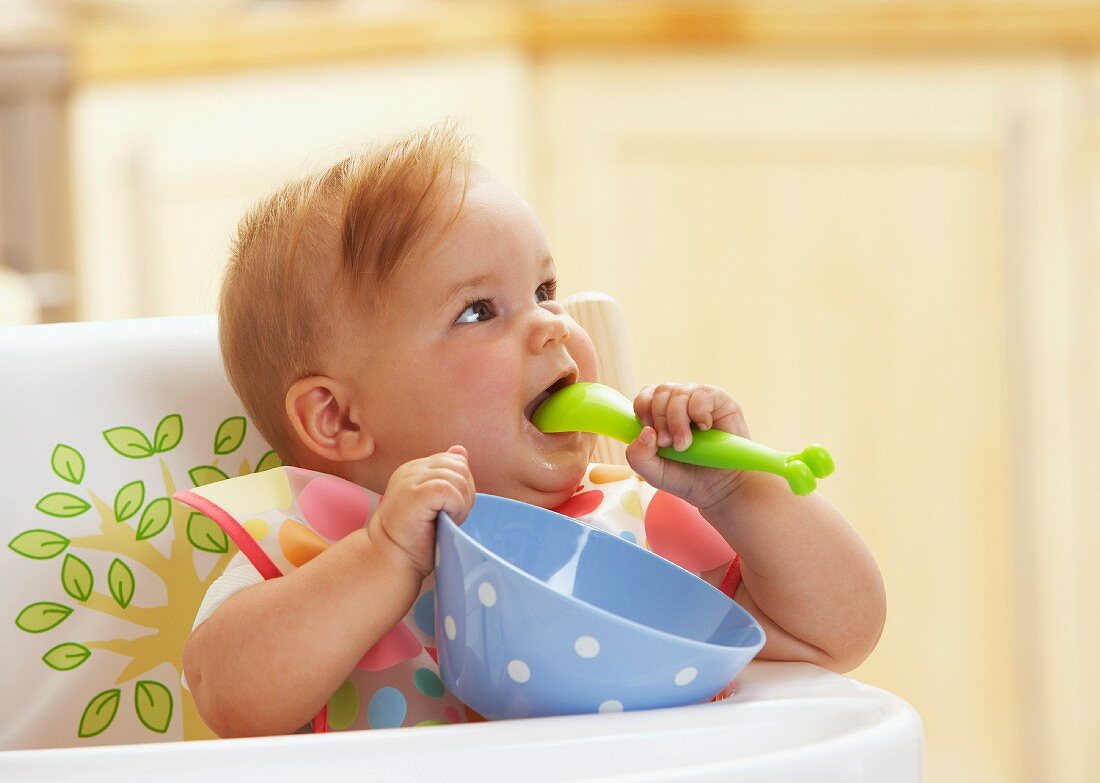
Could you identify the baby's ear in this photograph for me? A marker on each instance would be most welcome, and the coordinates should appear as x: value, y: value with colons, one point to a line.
x: 322, y: 414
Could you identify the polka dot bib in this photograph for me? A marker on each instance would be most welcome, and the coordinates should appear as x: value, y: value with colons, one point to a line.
x: 284, y: 517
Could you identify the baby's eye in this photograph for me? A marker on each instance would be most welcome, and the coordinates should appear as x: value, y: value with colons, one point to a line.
x: 549, y: 289
x: 478, y: 308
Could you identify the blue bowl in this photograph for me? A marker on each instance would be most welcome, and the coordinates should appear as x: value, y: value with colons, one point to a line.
x: 537, y: 614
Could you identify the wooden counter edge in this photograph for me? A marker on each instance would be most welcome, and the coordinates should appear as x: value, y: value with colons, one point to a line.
x: 114, y: 51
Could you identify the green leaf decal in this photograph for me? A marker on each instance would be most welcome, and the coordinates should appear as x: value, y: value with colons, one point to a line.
x: 42, y: 616
x: 39, y: 544
x: 169, y: 433
x: 205, y: 534
x: 206, y: 474
x: 129, y: 500
x: 68, y: 463
x: 66, y: 656
x: 121, y: 579
x: 77, y: 578
x: 153, y: 703
x: 128, y: 442
x: 62, y: 504
x: 230, y: 435
x: 269, y: 461
x: 154, y: 519
x: 99, y: 713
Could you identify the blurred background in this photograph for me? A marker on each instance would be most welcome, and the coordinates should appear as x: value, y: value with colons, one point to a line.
x: 876, y: 222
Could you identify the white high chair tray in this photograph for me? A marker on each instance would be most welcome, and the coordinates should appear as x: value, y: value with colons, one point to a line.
x: 787, y: 721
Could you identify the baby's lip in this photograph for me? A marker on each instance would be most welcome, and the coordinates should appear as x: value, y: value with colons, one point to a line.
x: 566, y: 378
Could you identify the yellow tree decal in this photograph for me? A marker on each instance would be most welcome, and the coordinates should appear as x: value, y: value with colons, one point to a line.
x: 127, y: 527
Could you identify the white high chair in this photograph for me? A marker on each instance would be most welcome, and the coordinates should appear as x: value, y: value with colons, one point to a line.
x: 102, y: 577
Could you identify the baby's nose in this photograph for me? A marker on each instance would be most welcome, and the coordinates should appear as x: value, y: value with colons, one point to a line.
x: 547, y: 328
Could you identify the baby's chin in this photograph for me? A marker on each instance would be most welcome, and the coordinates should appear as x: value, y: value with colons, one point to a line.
x: 545, y: 485
x: 548, y: 498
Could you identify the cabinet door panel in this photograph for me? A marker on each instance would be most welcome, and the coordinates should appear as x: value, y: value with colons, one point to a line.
x: 163, y: 171
x: 837, y: 244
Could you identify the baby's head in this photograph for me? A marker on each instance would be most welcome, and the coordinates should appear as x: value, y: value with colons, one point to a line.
x: 398, y: 303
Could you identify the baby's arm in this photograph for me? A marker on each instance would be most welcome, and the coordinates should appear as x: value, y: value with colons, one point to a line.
x: 271, y: 656
x: 807, y: 577
x: 268, y: 659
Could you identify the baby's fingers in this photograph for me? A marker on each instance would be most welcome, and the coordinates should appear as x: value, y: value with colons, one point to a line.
x: 671, y: 408
x: 650, y: 406
x: 641, y: 455
x: 453, y: 468
x: 442, y: 492
x: 679, y: 421
x: 700, y: 407
x: 659, y: 412
x: 643, y: 405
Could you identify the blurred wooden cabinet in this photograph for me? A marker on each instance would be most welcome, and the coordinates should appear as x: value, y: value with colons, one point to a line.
x: 875, y: 255
x: 162, y: 170
x: 34, y: 238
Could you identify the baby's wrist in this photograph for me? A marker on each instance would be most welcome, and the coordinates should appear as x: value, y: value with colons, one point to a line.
x: 752, y: 491
x: 377, y: 552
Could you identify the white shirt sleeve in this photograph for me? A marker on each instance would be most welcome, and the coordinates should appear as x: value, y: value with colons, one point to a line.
x: 238, y: 575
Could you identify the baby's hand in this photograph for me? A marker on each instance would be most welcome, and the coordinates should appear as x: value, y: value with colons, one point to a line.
x: 417, y: 491
x: 667, y: 412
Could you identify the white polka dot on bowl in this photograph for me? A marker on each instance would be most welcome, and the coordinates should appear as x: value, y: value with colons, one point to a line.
x: 519, y: 671
x: 587, y: 646
x: 611, y: 705
x: 449, y: 627
x: 487, y: 594
x: 685, y: 676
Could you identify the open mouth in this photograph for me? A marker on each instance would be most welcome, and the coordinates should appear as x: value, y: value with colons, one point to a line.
x: 566, y: 379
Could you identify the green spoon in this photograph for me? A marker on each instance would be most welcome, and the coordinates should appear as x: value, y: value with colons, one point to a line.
x: 593, y: 407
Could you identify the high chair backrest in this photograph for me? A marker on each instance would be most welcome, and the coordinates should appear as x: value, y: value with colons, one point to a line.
x: 102, y: 573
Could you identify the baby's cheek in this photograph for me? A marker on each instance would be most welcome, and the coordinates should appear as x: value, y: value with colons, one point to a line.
x: 583, y: 352
x: 484, y: 400
x: 485, y: 378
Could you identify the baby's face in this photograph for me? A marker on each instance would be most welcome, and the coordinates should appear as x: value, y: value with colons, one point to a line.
x: 472, y: 338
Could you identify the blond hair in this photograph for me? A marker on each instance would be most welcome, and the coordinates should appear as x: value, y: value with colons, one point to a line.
x: 316, y: 244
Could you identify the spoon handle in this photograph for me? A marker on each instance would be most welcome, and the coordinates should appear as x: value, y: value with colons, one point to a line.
x: 718, y: 449
x: 594, y: 407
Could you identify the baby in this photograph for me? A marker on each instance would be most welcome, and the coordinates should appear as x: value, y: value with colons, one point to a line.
x: 393, y: 321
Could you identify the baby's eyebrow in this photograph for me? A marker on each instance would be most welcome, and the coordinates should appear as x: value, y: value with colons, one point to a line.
x: 547, y: 262
x: 472, y: 282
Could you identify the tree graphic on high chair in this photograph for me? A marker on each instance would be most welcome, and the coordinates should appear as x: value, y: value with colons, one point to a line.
x: 133, y: 522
